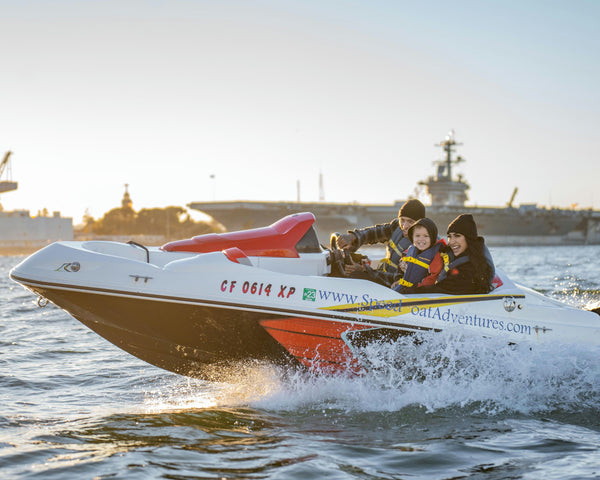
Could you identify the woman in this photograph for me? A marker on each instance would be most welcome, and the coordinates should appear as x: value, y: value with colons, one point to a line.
x: 468, y: 267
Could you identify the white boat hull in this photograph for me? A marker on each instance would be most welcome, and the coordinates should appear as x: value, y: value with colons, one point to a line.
x: 193, y: 312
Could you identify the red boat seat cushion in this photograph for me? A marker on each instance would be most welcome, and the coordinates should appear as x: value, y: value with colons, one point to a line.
x: 276, y: 240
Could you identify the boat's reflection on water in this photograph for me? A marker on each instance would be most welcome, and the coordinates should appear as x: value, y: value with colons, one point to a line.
x: 160, y: 440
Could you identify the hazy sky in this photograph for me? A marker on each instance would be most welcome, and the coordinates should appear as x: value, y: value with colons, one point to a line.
x: 262, y: 94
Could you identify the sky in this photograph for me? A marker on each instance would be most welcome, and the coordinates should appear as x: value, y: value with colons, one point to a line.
x: 191, y: 100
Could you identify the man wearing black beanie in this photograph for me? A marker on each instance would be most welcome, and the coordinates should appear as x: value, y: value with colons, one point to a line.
x: 394, y: 234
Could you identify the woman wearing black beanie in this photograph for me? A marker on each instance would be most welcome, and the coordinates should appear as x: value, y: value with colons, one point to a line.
x: 468, y: 266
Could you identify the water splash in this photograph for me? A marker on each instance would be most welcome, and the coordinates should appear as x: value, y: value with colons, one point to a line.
x: 240, y: 385
x: 436, y: 372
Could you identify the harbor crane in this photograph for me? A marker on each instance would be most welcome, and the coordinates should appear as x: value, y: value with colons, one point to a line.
x: 512, y: 198
x: 6, y: 185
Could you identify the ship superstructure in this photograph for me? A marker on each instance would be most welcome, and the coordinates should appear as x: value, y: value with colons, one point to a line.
x: 443, y: 188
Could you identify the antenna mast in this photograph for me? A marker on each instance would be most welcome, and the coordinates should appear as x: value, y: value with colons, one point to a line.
x: 321, y: 188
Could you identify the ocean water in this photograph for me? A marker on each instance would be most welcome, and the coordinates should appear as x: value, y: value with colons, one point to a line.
x: 73, y: 405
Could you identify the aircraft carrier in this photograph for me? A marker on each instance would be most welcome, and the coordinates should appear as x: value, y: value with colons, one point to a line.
x: 501, y: 226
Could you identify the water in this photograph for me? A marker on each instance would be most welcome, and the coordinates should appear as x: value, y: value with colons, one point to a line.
x: 74, y: 406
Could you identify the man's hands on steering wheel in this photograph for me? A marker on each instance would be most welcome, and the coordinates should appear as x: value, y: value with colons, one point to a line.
x: 345, y: 240
x: 342, y: 263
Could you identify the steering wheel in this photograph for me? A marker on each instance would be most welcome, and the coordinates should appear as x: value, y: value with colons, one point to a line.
x: 337, y: 257
x: 333, y: 240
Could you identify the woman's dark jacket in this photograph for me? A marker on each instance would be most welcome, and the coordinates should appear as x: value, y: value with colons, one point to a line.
x: 459, y: 278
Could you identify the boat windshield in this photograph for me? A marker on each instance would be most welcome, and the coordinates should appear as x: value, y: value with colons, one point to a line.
x: 309, y: 243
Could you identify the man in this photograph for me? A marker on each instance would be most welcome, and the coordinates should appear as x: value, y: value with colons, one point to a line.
x: 395, y: 233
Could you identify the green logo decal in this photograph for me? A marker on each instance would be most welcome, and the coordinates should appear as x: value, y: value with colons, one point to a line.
x: 309, y: 294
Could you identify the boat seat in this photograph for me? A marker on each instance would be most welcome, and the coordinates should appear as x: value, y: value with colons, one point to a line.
x: 277, y: 240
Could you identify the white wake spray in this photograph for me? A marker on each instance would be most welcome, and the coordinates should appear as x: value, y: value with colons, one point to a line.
x: 434, y: 371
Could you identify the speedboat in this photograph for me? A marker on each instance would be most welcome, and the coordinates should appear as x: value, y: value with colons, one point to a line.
x: 198, y: 305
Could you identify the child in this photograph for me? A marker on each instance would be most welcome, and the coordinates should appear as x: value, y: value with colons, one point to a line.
x: 423, y: 260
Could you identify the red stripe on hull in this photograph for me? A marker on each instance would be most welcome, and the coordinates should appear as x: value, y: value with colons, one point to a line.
x: 317, y: 344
